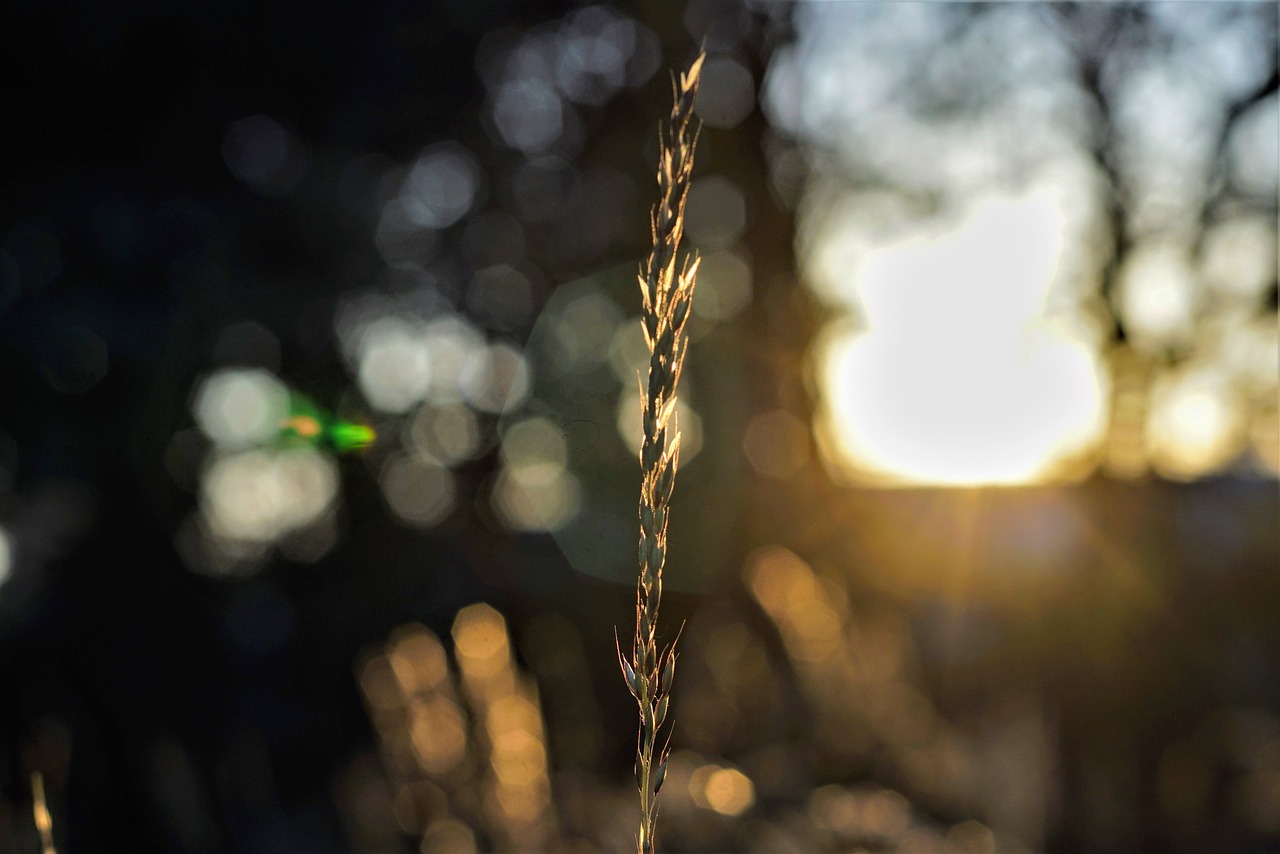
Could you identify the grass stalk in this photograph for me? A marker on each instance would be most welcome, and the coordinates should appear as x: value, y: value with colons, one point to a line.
x: 666, y: 288
x: 40, y: 807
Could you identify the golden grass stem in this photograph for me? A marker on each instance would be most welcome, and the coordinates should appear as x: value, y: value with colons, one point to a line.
x: 666, y: 289
x: 40, y: 807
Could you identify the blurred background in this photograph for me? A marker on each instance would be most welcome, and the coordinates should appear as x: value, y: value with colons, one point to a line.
x: 975, y: 538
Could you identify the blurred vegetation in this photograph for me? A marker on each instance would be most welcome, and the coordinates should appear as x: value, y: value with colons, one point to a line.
x: 427, y: 219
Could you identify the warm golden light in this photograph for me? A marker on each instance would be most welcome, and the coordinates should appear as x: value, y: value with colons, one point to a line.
x: 776, y: 443
x: 631, y: 429
x: 482, y: 647
x: 1196, y: 423
x: 879, y: 814
x: 490, y: 742
x: 1265, y: 434
x: 418, y: 661
x: 378, y: 681
x: 723, y: 790
x: 438, y: 730
x: 796, y: 599
x: 1157, y: 295
x: 960, y: 375
x: 44, y: 821
x: 448, y: 836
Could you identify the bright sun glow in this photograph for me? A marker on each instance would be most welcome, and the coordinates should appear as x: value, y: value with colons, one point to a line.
x: 959, y: 376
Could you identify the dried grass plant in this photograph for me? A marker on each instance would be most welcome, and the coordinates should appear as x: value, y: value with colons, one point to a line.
x: 666, y: 288
x: 40, y: 807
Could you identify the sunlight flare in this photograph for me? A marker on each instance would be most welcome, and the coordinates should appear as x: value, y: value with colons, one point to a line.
x: 961, y: 373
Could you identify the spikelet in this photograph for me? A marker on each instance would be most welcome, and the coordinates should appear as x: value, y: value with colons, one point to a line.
x: 666, y: 290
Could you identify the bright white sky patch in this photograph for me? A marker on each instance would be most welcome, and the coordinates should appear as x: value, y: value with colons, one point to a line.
x: 958, y: 377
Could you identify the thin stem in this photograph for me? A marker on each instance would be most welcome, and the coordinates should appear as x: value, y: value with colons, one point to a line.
x: 666, y: 292
x: 40, y: 807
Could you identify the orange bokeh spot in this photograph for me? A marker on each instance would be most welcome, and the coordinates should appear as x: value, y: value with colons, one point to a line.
x: 304, y: 425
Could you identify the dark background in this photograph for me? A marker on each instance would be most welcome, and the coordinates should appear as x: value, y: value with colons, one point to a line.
x: 175, y: 711
x: 117, y: 659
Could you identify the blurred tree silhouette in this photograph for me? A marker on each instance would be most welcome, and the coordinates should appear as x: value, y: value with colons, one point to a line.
x: 1157, y: 125
x: 1108, y: 43
x: 1153, y: 129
